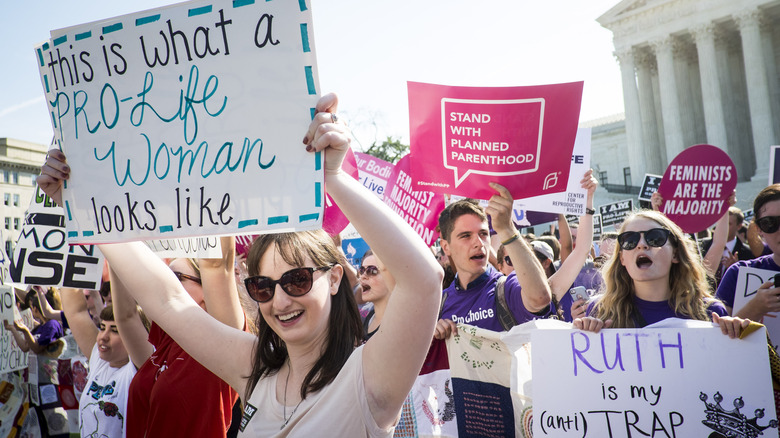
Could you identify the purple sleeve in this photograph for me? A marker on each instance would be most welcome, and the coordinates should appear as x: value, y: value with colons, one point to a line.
x: 514, y: 299
x: 717, y: 307
x: 728, y: 285
x: 47, y: 333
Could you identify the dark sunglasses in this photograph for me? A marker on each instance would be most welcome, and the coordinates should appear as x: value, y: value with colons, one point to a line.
x: 369, y: 271
x: 769, y: 224
x: 507, y: 260
x: 295, y: 283
x: 182, y: 276
x: 655, y: 237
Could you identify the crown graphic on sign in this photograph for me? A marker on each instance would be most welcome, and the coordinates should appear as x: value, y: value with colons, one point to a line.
x: 732, y: 423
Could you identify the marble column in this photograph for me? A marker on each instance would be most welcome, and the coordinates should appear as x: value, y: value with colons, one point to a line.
x: 757, y: 88
x: 655, y: 156
x: 633, y: 116
x: 670, y: 107
x: 714, y: 119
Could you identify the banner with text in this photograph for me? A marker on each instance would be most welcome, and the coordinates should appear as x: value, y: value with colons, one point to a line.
x: 374, y: 173
x: 571, y: 201
x: 649, y: 186
x: 4, y: 261
x: 774, y: 165
x: 691, y: 381
x: 42, y: 255
x: 12, y: 358
x: 748, y: 282
x: 464, y: 137
x: 696, y: 187
x: 186, y: 121
x: 614, y: 213
x: 419, y: 208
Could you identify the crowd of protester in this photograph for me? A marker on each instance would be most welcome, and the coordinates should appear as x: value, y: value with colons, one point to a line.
x: 290, y: 337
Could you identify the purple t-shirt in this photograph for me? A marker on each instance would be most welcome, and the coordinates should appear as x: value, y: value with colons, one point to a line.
x: 728, y: 284
x: 656, y: 311
x: 477, y: 304
x: 48, y: 332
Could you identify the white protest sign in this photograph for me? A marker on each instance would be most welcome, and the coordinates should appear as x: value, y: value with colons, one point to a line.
x: 653, y: 382
x: 748, y: 281
x: 572, y: 200
x: 193, y: 247
x: 187, y: 121
x: 42, y: 255
x: 11, y: 357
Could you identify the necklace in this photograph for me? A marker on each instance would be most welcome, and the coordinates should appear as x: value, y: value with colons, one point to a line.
x: 284, y: 406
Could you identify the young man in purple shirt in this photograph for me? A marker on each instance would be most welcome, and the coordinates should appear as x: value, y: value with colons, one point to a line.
x: 471, y: 296
x: 767, y: 299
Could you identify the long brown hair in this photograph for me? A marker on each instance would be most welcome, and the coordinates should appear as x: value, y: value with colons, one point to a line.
x: 345, y: 329
x: 687, y: 279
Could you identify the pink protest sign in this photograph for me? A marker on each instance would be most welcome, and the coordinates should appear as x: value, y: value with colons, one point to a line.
x: 333, y: 220
x: 464, y: 137
x: 244, y: 243
x: 696, y: 187
x: 418, y: 208
x: 373, y: 173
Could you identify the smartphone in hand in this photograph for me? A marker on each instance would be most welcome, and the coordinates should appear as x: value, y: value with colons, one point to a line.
x: 579, y: 292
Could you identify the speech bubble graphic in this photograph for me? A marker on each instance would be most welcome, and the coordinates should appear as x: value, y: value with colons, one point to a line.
x: 491, y: 137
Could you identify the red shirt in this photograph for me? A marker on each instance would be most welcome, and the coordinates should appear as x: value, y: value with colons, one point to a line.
x: 173, y: 395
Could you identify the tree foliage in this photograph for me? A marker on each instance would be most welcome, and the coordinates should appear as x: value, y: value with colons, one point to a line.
x: 390, y: 150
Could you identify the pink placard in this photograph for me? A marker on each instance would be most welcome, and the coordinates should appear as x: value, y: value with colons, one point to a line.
x: 420, y: 209
x: 373, y: 173
x: 696, y: 187
x: 333, y: 220
x: 464, y: 137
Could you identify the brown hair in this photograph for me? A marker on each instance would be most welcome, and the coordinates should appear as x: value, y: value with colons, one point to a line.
x: 455, y: 210
x: 687, y: 279
x: 345, y: 329
x: 768, y: 194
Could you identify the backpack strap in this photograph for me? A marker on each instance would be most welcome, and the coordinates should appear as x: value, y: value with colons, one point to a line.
x: 443, y: 299
x: 505, y: 316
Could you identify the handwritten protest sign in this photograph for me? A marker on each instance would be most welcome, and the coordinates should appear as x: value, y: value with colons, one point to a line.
x: 649, y: 186
x: 419, y: 208
x: 11, y: 357
x: 186, y: 121
x: 42, y: 255
x: 696, y: 185
x: 653, y: 382
x: 464, y: 137
x: 748, y: 282
x: 614, y: 213
x: 193, y: 247
x: 572, y: 200
x: 373, y: 172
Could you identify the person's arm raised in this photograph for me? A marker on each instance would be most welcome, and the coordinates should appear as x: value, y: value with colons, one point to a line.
x: 562, y: 279
x: 530, y: 275
x: 223, y: 350
x: 131, y: 329
x: 46, y: 309
x: 564, y: 237
x: 393, y: 356
x: 220, y: 292
x: 75, y: 307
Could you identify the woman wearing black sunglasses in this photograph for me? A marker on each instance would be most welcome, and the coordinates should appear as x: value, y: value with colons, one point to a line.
x: 305, y: 373
x: 767, y: 298
x: 377, y: 284
x: 655, y: 273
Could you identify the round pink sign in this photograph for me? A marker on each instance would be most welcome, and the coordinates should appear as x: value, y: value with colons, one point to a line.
x: 333, y: 220
x: 696, y: 187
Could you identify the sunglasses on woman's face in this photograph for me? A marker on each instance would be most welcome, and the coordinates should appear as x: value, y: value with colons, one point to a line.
x: 655, y: 238
x: 368, y: 271
x: 181, y: 276
x: 508, y: 261
x: 295, y: 283
x: 769, y: 224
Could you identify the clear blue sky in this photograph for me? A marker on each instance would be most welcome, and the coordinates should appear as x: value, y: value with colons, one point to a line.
x: 367, y: 50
